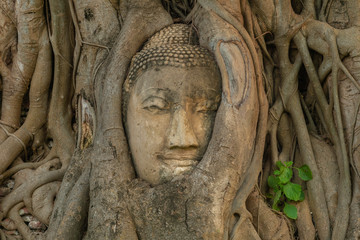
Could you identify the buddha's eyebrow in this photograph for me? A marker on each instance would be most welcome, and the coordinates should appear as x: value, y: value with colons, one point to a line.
x: 154, y: 91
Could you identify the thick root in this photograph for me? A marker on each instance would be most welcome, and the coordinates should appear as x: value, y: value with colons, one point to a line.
x: 24, y: 191
x: 270, y: 225
x: 30, y: 26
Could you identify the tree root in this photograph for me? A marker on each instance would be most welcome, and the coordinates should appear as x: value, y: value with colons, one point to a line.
x: 2, y: 235
x: 304, y: 223
x: 24, y: 192
x: 228, y: 39
x: 60, y: 112
x: 270, y: 225
x: 306, y: 32
x: 30, y: 26
x: 289, y: 100
x: 36, y: 118
x: 19, y: 167
x: 76, y: 209
x: 19, y: 222
x: 73, y: 173
x: 43, y: 201
x: 341, y: 222
x: 316, y: 190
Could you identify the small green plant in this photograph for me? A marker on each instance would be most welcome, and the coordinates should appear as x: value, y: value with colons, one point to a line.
x: 284, y: 190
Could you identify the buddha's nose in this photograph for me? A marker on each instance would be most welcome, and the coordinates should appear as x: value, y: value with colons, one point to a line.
x: 181, y: 134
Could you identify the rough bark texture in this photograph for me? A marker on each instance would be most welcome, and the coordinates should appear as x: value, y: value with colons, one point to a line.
x: 290, y: 92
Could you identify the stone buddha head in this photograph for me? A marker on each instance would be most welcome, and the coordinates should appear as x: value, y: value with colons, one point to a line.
x: 171, y: 96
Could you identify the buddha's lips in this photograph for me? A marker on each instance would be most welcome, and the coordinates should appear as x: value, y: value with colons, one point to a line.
x: 181, y: 163
x: 179, y: 160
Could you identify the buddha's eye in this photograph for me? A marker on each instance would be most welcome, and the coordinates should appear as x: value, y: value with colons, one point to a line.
x: 156, y: 105
x: 206, y: 106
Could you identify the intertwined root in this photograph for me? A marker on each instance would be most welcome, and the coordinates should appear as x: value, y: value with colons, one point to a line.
x: 331, y: 43
x: 26, y: 49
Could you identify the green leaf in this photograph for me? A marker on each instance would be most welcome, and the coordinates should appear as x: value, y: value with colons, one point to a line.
x: 276, y: 200
x: 268, y: 195
x: 305, y: 173
x: 277, y: 172
x: 286, y: 175
x: 288, y: 164
x: 290, y: 211
x: 302, y: 196
x: 292, y: 191
x: 280, y: 165
x: 273, y: 182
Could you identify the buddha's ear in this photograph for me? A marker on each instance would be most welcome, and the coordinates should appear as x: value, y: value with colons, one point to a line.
x: 237, y: 71
x: 232, y: 54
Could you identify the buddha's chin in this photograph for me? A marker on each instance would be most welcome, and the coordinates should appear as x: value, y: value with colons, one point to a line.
x: 175, y: 171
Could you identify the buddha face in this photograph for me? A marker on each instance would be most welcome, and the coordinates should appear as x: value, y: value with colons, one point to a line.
x: 170, y: 116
